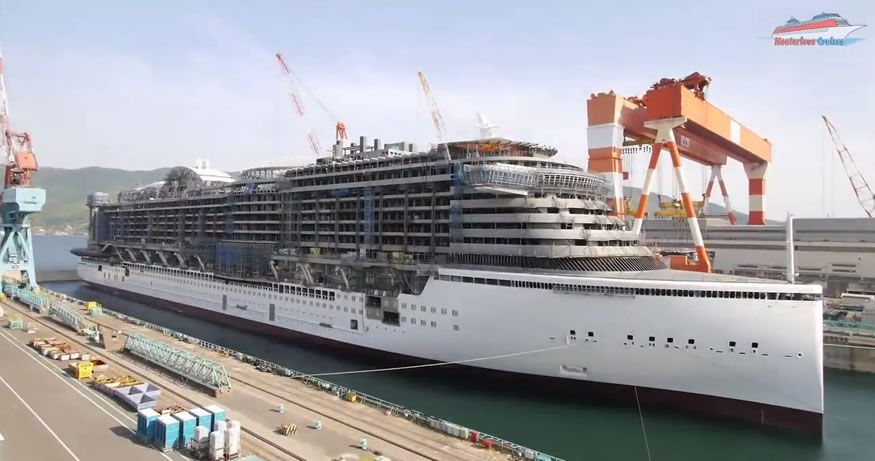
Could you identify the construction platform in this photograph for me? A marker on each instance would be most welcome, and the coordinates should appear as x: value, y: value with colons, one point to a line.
x: 255, y: 402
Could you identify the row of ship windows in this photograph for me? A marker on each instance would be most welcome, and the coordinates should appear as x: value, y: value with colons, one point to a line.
x: 186, y: 276
x: 433, y: 309
x: 625, y: 291
x: 691, y: 343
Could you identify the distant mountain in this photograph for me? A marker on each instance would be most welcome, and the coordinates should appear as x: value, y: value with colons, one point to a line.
x: 713, y: 209
x: 67, y: 189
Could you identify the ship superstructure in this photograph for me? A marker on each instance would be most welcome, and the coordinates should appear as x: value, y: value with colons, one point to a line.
x: 490, y: 252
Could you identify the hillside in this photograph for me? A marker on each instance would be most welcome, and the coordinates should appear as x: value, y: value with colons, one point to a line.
x: 713, y: 209
x: 67, y: 189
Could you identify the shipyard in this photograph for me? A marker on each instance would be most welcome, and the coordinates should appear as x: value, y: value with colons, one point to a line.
x: 246, y: 241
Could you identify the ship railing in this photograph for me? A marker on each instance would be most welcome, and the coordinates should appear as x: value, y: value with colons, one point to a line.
x: 852, y: 325
x: 385, y: 406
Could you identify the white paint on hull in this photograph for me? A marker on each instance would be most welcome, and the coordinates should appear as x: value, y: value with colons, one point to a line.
x: 776, y: 359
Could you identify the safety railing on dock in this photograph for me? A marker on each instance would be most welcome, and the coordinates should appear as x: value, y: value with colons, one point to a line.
x: 190, y: 366
x: 437, y: 424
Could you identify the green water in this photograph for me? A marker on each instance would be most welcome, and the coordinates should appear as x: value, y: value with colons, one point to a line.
x: 570, y: 429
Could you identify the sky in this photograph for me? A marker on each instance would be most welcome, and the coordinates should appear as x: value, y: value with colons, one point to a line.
x: 143, y: 85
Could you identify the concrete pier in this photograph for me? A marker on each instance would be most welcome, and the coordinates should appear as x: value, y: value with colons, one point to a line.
x: 256, y: 397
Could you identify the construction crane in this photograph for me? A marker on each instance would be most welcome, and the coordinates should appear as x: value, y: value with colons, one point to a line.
x: 436, y: 118
x: 858, y: 182
x: 294, y: 86
x: 18, y: 200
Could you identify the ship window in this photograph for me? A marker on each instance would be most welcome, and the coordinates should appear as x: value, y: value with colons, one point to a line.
x: 443, y: 311
x: 467, y: 279
x: 403, y: 305
x: 691, y: 341
x: 455, y: 313
x: 413, y: 320
x: 433, y: 324
x: 455, y: 328
x: 731, y: 343
x: 629, y: 337
x: 572, y: 332
x: 422, y: 308
x: 754, y: 345
x: 670, y: 340
x: 403, y: 319
x: 434, y: 310
x: 455, y: 278
x: 652, y: 339
x: 413, y: 307
x: 480, y: 281
x: 590, y: 334
x: 391, y: 318
x: 353, y: 324
x: 422, y: 322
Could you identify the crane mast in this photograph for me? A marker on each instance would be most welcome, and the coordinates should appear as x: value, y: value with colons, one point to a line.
x: 858, y: 182
x: 18, y: 200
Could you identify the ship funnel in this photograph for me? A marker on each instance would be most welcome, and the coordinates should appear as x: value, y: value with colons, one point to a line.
x: 487, y: 129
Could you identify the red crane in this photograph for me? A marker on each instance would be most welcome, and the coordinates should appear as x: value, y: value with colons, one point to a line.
x: 16, y: 147
x: 436, y: 118
x: 294, y: 85
x: 858, y: 182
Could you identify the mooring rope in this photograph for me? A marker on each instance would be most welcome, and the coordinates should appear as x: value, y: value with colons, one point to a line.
x: 438, y: 364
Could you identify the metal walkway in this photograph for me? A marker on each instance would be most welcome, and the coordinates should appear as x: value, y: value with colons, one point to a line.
x: 189, y: 366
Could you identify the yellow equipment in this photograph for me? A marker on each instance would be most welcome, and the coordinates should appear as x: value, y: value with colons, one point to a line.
x: 82, y: 370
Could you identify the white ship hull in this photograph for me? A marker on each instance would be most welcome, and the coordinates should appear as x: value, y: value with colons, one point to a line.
x: 754, y: 359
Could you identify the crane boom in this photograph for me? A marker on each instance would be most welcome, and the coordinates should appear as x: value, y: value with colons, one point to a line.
x: 858, y: 181
x: 299, y: 105
x: 436, y: 118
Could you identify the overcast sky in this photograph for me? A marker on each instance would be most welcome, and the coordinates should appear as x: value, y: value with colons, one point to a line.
x: 141, y: 85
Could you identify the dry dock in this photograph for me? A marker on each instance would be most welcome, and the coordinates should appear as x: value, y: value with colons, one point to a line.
x: 254, y: 400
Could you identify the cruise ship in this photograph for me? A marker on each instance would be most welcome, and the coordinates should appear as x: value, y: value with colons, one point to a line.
x: 488, y: 254
x: 821, y: 25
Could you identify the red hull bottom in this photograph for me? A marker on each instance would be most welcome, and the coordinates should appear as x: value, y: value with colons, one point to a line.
x: 770, y: 416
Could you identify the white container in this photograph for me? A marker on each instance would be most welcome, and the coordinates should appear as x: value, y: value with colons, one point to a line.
x: 221, y: 426
x: 201, y: 435
x: 232, y: 440
x: 217, y: 439
x: 217, y: 445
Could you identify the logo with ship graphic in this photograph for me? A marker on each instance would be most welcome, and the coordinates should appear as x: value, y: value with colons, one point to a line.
x: 824, y: 29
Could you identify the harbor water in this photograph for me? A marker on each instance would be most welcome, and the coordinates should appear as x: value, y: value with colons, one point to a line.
x: 570, y: 429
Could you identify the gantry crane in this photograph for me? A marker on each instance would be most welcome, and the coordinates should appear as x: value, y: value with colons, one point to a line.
x: 18, y: 200
x: 294, y: 87
x: 674, y: 115
x: 858, y: 182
